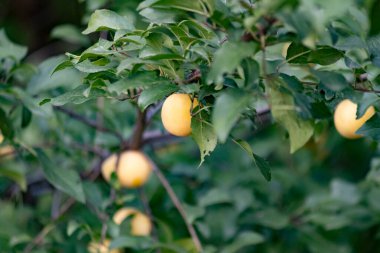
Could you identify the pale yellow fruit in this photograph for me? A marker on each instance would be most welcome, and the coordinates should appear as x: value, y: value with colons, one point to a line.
x: 1, y: 138
x: 7, y: 151
x: 176, y: 114
x: 96, y: 247
x: 284, y: 50
x: 133, y: 169
x: 345, y: 118
x: 140, y: 223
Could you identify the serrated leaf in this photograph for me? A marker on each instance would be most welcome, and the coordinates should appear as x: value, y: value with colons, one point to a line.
x: 284, y: 112
x: 65, y: 180
x: 193, y: 6
x: 228, y: 58
x: 107, y: 20
x: 371, y: 128
x: 156, y: 93
x: 138, y: 80
x: 227, y: 110
x: 87, y: 66
x: 76, y: 96
x: 203, y: 133
x: 63, y: 65
x: 258, y: 161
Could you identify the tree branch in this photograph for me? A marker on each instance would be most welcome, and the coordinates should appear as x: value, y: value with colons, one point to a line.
x: 88, y: 122
x: 136, y: 138
x: 177, y: 203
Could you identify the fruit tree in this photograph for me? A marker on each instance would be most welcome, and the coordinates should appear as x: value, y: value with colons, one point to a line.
x: 172, y: 126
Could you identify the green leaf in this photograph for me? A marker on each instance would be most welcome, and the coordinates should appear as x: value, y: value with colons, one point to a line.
x: 365, y: 102
x: 69, y: 33
x: 328, y: 221
x: 138, y: 80
x: 63, y: 179
x: 193, y: 212
x: 10, y: 49
x: 215, y: 196
x: 107, y: 20
x: 297, y: 53
x: 332, y: 80
x: 371, y: 128
x: 228, y: 58
x: 284, y: 112
x: 227, y: 110
x: 243, y: 240
x: 79, y: 95
x: 26, y: 117
x: 14, y: 175
x: 156, y: 93
x: 271, y: 218
x: 325, y: 55
x: 251, y: 71
x: 258, y: 161
x: 374, y: 50
x: 87, y: 66
x: 193, y: 6
x: 63, y: 65
x: 6, y: 125
x: 48, y: 76
x: 203, y: 133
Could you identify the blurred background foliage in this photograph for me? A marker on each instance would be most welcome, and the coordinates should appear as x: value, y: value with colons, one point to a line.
x: 323, y: 198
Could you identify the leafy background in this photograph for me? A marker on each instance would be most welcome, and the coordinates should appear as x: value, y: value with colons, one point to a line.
x: 272, y: 173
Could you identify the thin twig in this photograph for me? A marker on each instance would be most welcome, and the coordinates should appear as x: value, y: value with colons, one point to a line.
x: 87, y: 121
x: 177, y: 203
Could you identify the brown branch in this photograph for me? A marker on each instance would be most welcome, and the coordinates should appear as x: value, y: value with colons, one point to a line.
x: 137, y: 137
x: 87, y: 121
x: 158, y: 137
x: 194, y: 76
x: 177, y: 203
x: 355, y: 88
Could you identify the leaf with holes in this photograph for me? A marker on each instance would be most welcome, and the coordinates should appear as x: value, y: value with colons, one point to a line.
x: 203, y: 134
